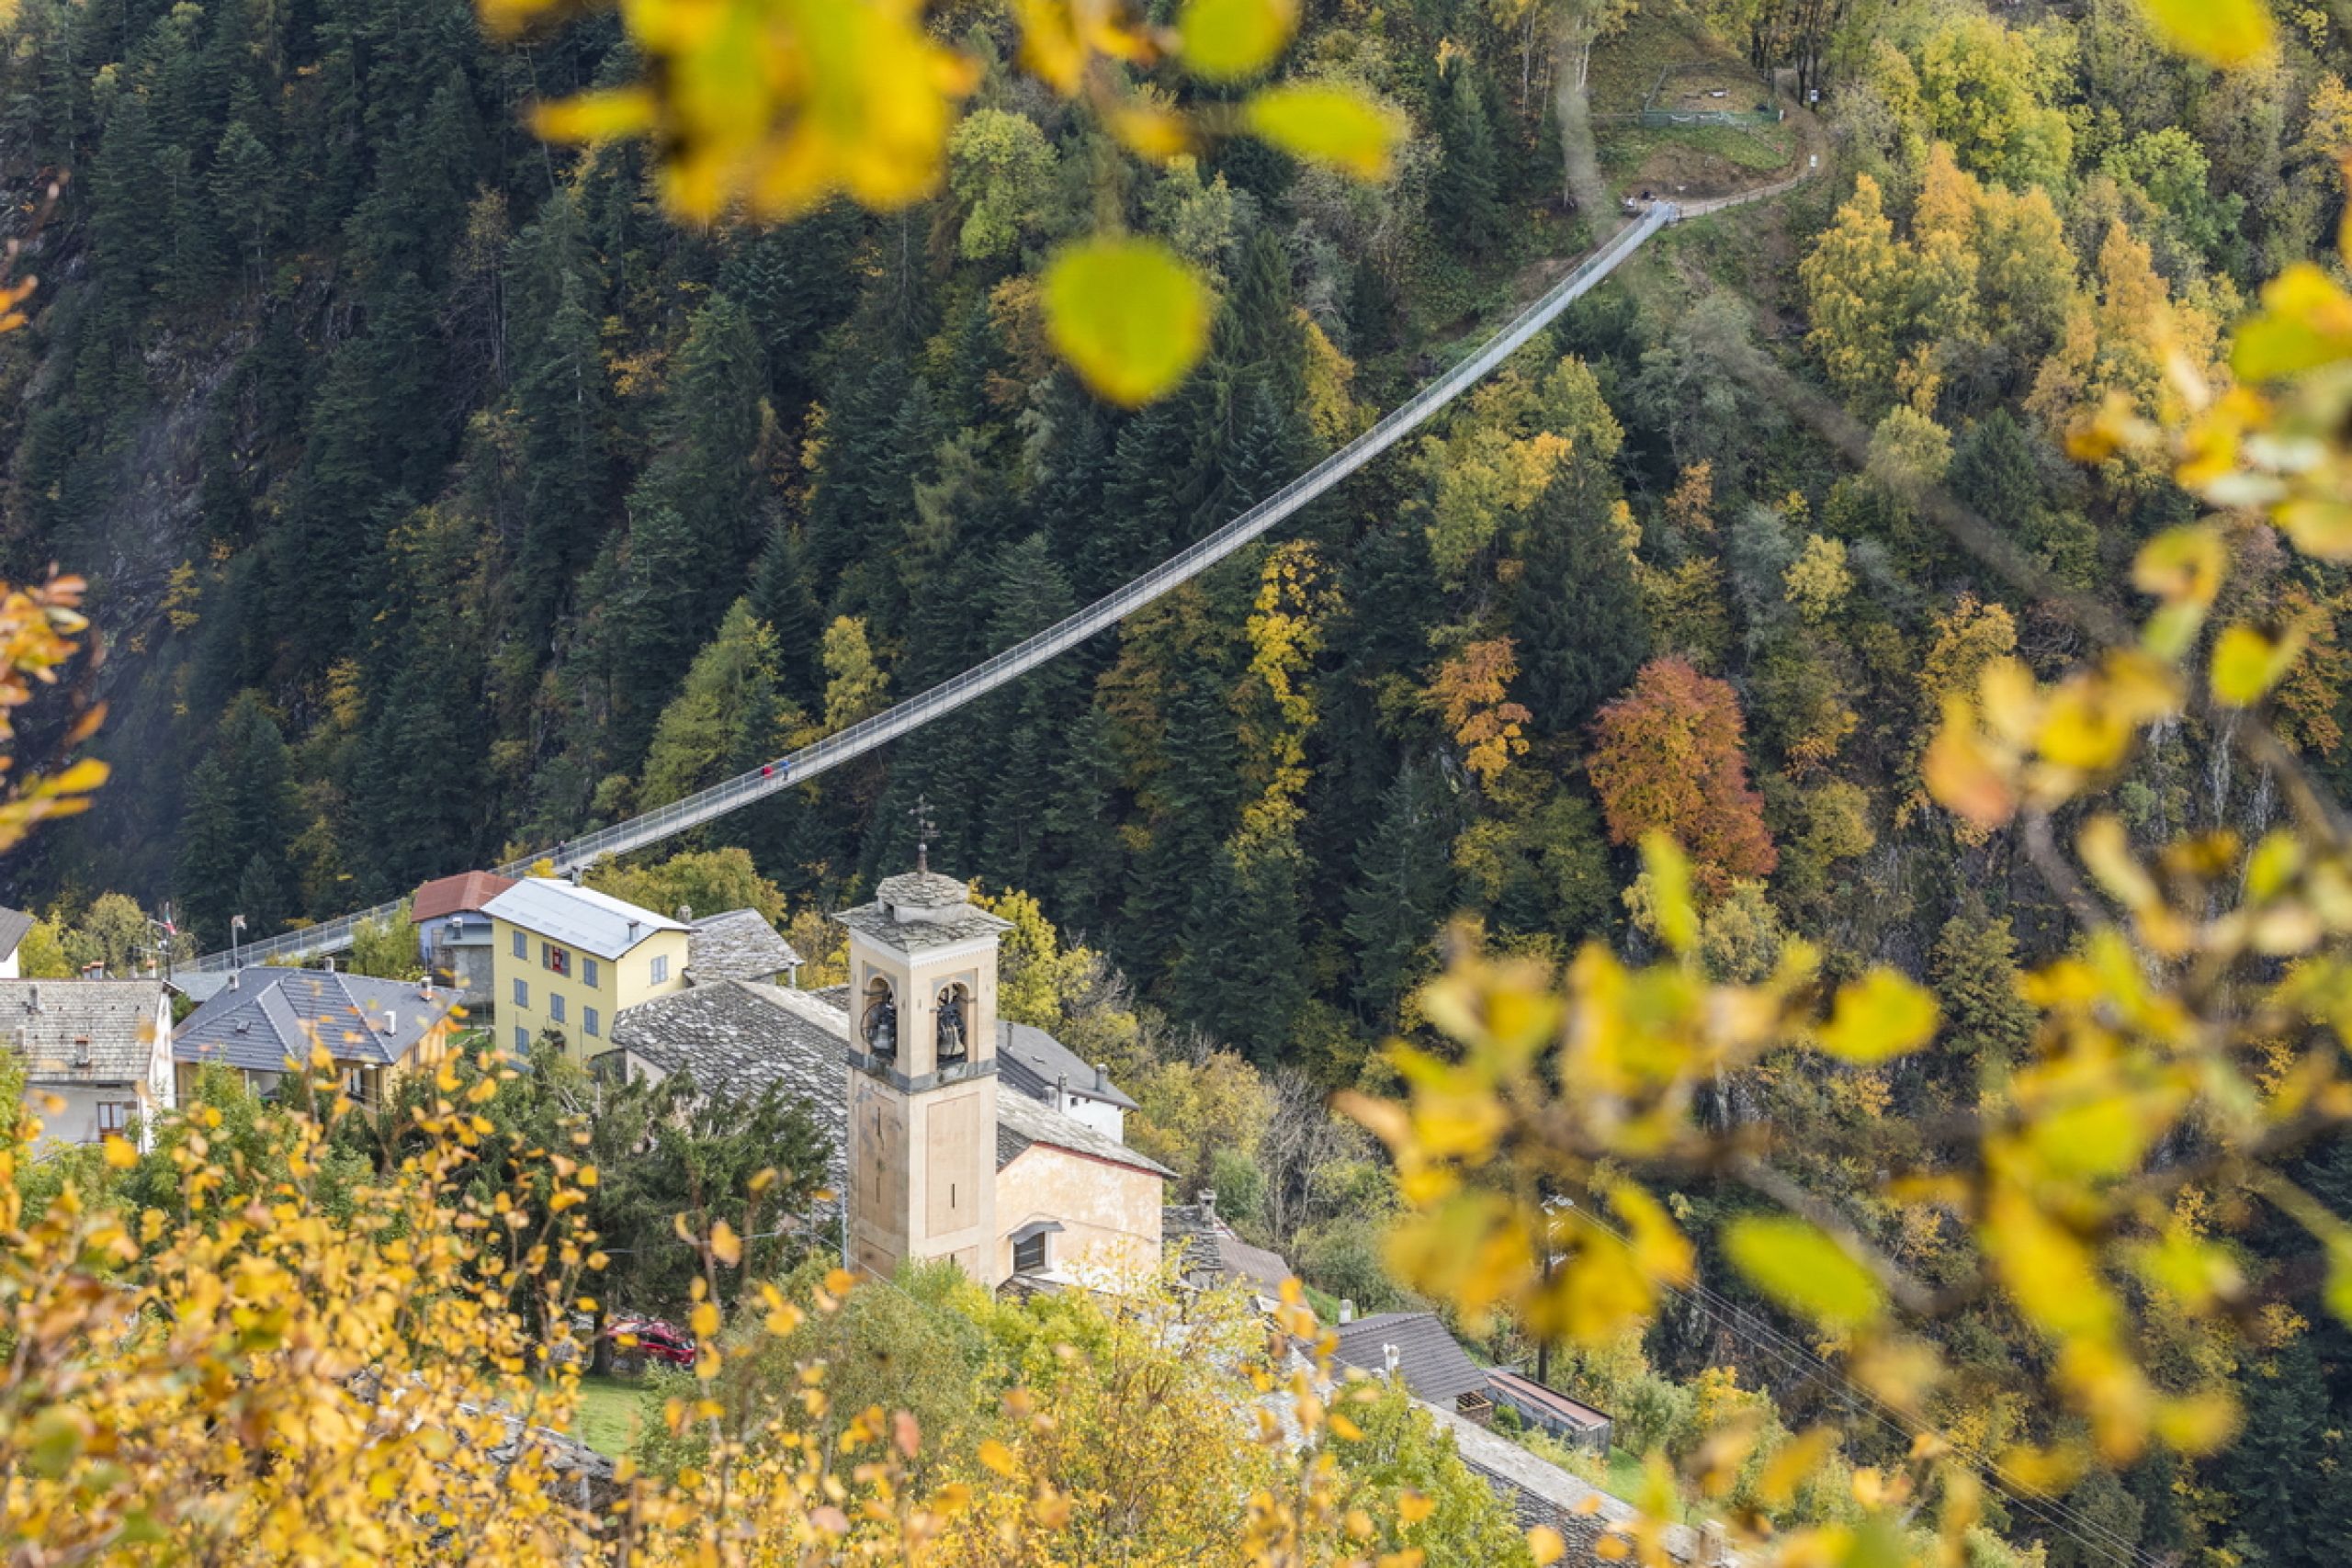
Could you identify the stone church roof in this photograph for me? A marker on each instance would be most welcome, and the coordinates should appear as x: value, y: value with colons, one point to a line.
x: 734, y: 1038
x: 737, y: 945
x: 1022, y: 1122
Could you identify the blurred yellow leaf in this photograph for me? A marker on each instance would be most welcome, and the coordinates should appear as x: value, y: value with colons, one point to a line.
x: 1057, y: 37
x: 1879, y: 1016
x: 2248, y: 664
x: 504, y: 18
x: 1227, y: 40
x: 1150, y: 131
x: 1545, y: 1546
x: 2319, y: 527
x: 596, y: 117
x: 1326, y: 124
x: 1963, y: 773
x: 1671, y: 911
x: 119, y: 1154
x: 995, y: 1456
x: 2305, y: 323
x: 1127, y: 314
x: 1659, y: 1246
x: 705, y: 1319
x: 1414, y: 1506
x: 2338, y: 1293
x: 2218, y: 32
x: 725, y: 1245
x: 1803, y: 1269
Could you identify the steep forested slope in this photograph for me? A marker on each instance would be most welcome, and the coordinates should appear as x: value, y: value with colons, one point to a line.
x: 441, y: 495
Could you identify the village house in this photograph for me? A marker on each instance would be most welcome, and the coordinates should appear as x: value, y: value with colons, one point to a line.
x: 263, y: 1024
x: 566, y: 960
x: 947, y: 1143
x: 453, y: 933
x: 97, y: 1054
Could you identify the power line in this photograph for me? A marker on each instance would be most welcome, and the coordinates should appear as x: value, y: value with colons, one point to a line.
x: 2097, y: 1538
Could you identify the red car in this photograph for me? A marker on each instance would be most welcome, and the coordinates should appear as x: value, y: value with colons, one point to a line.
x: 656, y: 1340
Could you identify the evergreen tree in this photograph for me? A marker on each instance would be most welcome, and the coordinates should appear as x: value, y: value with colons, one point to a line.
x: 1402, y: 889
x: 1195, y: 800
x: 2276, y: 1494
x: 782, y: 600
x: 1975, y: 969
x: 212, y: 856
x: 1464, y: 199
x: 1577, y: 612
x: 563, y: 396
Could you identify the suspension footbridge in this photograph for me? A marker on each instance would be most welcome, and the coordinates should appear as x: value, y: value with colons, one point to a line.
x: 877, y: 730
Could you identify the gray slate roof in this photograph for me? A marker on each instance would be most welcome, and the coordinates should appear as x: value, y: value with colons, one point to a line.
x: 578, y: 917
x: 1540, y: 1493
x: 116, y: 1017
x: 272, y: 1014
x: 737, y: 945
x: 14, y: 924
x: 1215, y: 1255
x: 1033, y: 1122
x: 1434, y: 1366
x: 1032, y: 1061
x: 735, y: 1038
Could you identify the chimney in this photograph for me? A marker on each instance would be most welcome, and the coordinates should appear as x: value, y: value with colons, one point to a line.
x: 33, y: 998
x: 329, y: 963
x: 1208, y: 1203
x: 392, y: 1023
x: 1101, y: 1080
x: 1391, y: 1358
x: 632, y: 934
x: 1347, y: 1309
x: 233, y: 979
x: 1061, y: 1091
x: 81, y: 1050
x: 685, y: 914
x: 574, y: 874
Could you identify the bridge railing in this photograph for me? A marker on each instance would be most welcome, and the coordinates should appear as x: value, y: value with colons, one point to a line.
x: 854, y: 740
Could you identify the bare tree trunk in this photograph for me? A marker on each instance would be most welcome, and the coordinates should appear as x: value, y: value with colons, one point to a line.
x: 1580, y: 173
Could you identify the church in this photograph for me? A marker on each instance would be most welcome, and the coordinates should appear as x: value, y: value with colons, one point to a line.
x: 957, y: 1134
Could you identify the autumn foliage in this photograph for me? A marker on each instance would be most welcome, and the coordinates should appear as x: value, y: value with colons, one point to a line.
x: 1668, y: 758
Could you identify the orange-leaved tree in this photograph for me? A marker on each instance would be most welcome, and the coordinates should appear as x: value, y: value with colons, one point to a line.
x: 1667, y: 759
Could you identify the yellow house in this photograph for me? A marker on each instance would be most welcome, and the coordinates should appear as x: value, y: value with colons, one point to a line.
x: 566, y: 960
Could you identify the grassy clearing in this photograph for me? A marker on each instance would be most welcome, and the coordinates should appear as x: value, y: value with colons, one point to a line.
x: 1659, y: 38
x: 1764, y: 150
x: 612, y: 1414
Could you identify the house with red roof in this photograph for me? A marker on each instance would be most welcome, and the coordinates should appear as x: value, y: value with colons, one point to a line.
x: 452, y: 932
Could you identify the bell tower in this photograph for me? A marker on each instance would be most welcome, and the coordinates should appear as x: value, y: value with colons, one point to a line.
x: 921, y: 1155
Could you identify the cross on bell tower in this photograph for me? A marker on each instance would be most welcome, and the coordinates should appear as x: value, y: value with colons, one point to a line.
x: 925, y: 828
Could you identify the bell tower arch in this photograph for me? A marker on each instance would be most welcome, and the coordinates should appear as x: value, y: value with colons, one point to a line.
x: 922, y: 1067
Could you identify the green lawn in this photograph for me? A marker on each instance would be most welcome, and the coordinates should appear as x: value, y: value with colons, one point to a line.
x: 1765, y: 148
x: 612, y: 1414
